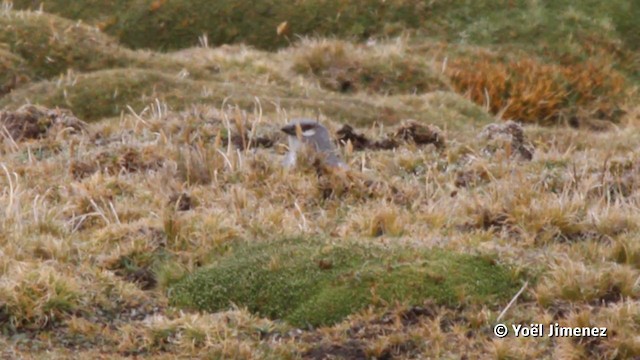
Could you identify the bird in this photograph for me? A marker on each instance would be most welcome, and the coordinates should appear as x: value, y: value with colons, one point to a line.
x: 336, y: 179
x: 309, y: 133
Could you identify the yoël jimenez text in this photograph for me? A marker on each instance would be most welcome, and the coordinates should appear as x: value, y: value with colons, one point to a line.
x: 555, y: 330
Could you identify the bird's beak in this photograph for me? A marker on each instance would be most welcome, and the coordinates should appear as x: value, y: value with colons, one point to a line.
x: 289, y: 130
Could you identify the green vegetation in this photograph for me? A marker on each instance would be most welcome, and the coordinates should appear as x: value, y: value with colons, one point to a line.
x: 540, y: 62
x: 319, y: 283
x: 177, y: 24
x: 13, y: 71
x: 51, y: 45
x: 536, y: 22
x: 106, y: 93
x: 344, y: 67
x: 96, y: 12
x: 556, y: 28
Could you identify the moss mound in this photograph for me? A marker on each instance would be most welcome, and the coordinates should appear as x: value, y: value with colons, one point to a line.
x: 309, y: 282
x: 104, y: 93
x: 345, y: 67
x: 50, y: 45
x: 13, y: 71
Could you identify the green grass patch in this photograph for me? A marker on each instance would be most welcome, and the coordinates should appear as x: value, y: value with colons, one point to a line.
x: 13, y: 71
x: 97, y: 12
x: 312, y: 282
x: 564, y: 30
x: 104, y: 93
x: 175, y: 24
x: 50, y: 44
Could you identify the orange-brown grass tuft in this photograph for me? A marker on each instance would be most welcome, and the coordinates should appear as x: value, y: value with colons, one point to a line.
x: 528, y: 90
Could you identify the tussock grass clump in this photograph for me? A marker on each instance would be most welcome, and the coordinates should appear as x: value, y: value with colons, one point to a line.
x: 206, y: 334
x: 41, y: 299
x: 529, y: 90
x: 344, y: 67
x: 237, y: 63
x: 626, y: 250
x: 123, y: 159
x: 612, y: 318
x: 574, y: 282
x: 315, y: 283
x: 32, y: 122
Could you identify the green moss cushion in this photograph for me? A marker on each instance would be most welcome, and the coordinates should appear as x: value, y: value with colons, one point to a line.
x: 312, y: 282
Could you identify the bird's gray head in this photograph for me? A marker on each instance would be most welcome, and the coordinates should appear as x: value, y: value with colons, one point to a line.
x: 310, y: 132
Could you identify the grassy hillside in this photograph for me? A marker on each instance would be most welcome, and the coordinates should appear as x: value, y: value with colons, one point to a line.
x: 13, y: 71
x: 557, y: 27
x: 537, y: 62
x: 178, y: 24
x: 145, y: 213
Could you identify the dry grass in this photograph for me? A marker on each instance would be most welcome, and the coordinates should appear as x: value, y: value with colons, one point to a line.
x: 99, y: 222
x: 87, y: 259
